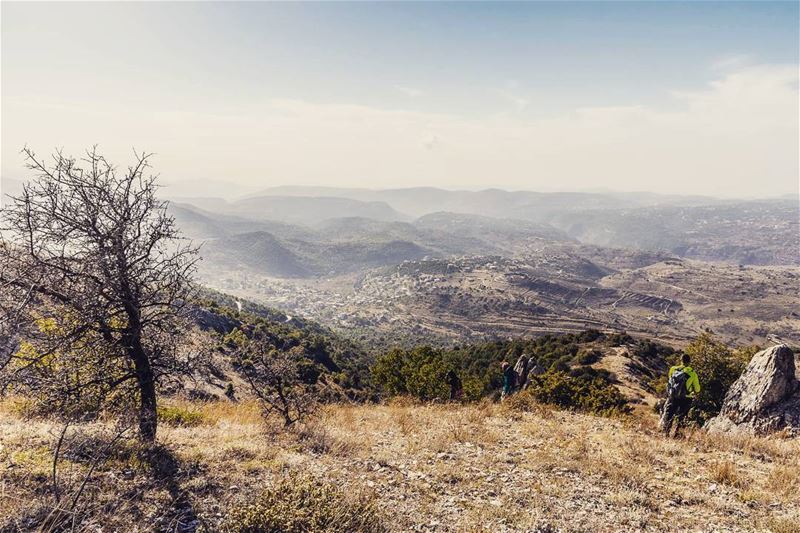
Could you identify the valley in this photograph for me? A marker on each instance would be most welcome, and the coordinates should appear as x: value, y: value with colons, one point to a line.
x: 668, y: 267
x: 457, y: 300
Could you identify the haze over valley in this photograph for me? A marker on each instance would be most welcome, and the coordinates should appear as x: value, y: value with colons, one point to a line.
x: 447, y: 266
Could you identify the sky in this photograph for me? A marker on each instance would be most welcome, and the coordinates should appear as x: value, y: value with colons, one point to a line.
x: 690, y: 98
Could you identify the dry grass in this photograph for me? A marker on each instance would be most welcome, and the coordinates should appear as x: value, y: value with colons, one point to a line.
x: 727, y: 473
x: 784, y: 480
x: 443, y: 467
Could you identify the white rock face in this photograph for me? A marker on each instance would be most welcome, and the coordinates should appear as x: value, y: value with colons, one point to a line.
x: 765, y: 399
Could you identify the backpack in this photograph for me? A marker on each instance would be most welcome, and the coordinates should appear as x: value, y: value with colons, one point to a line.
x: 676, y: 386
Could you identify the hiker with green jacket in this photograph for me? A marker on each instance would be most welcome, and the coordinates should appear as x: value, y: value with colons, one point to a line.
x: 682, y: 386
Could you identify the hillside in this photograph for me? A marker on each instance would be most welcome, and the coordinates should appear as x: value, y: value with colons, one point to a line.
x: 557, y: 289
x: 413, y: 468
x: 523, y: 262
x: 302, y: 210
x: 216, y: 315
x: 262, y: 253
x: 419, y: 201
x: 750, y: 233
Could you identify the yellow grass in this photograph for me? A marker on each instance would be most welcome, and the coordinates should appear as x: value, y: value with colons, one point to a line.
x: 481, y: 467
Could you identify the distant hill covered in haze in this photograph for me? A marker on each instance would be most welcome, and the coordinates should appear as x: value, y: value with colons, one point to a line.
x: 441, y: 223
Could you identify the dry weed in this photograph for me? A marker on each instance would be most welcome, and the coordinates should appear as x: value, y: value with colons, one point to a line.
x: 783, y: 525
x: 404, y: 421
x: 784, y: 480
x: 727, y: 473
x: 640, y: 451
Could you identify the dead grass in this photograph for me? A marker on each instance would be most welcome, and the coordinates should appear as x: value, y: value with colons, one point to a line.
x: 784, y: 480
x: 463, y: 467
x: 727, y: 473
x: 782, y: 525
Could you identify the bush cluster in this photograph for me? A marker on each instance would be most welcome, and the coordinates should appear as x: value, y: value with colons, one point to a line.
x: 420, y: 372
x: 180, y: 417
x: 301, y: 504
x: 586, y: 391
x: 343, y: 361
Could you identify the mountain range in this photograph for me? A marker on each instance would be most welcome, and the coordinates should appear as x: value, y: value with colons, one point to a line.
x: 362, y: 228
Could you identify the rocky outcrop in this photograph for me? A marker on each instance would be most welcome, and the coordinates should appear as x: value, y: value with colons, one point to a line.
x: 765, y: 399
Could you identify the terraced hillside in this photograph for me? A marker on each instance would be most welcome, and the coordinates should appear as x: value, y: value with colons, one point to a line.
x: 485, y: 297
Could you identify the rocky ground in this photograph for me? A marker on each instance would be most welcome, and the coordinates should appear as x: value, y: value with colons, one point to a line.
x: 430, y: 468
x: 484, y: 297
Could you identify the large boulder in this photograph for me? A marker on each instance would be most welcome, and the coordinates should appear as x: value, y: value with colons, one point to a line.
x: 765, y: 399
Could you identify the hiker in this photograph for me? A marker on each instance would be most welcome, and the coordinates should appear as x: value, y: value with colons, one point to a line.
x: 509, y: 378
x: 521, y: 371
x: 682, y: 386
x: 454, y: 381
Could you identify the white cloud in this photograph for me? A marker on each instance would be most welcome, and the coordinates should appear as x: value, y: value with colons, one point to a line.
x: 408, y: 91
x: 736, y: 136
x: 733, y: 62
x: 519, y: 102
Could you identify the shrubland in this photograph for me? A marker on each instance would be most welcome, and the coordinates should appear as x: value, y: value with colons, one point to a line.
x: 568, y: 380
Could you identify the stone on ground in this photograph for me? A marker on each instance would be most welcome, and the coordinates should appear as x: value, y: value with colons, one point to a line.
x: 765, y: 399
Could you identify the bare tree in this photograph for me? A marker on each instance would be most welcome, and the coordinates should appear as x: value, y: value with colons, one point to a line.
x: 275, y: 377
x: 94, y: 252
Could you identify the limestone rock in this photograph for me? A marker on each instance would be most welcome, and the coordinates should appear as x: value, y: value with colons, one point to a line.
x: 765, y: 399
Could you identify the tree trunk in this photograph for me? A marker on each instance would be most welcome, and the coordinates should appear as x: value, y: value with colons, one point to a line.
x: 148, y: 419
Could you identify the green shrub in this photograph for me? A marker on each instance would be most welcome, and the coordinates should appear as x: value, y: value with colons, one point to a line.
x: 180, y: 417
x: 421, y: 371
x: 301, y: 504
x: 588, y: 357
x: 583, y: 392
x: 523, y: 401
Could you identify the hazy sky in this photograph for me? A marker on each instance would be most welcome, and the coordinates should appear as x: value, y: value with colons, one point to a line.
x: 667, y: 97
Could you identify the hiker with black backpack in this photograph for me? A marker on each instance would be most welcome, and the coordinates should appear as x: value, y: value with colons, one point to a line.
x: 454, y: 382
x: 509, y: 380
x: 682, y: 385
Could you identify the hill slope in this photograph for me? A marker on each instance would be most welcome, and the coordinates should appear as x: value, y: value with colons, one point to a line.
x: 434, y: 468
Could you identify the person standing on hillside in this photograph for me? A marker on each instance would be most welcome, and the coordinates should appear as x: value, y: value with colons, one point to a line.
x: 509, y: 379
x: 682, y: 386
x: 454, y: 381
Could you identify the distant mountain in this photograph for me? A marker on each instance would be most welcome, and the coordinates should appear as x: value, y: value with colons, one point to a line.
x: 201, y: 224
x: 310, y: 210
x: 420, y: 201
x: 305, y: 210
x: 759, y: 232
x: 529, y: 205
x: 257, y: 251
x: 206, y: 203
x: 442, y: 239
x: 261, y: 252
x: 360, y: 228
x: 196, y: 225
x: 501, y: 232
x: 752, y: 232
x: 210, y: 188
